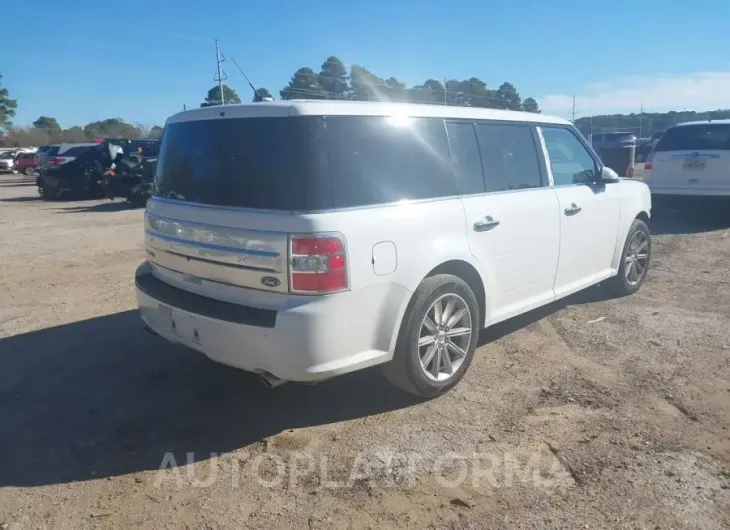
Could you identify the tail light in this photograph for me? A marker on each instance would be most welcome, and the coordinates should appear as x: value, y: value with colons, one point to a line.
x: 318, y: 264
x: 648, y: 163
x: 57, y: 160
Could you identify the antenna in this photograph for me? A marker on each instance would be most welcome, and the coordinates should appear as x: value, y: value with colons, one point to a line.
x: 256, y: 94
x: 220, y: 78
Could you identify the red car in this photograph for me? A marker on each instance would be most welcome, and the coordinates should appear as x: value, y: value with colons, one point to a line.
x: 26, y: 163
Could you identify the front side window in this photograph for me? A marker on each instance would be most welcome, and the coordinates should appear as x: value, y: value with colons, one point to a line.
x: 509, y: 156
x: 381, y: 160
x: 570, y: 160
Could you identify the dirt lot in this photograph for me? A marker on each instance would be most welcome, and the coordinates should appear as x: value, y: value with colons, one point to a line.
x: 589, y: 413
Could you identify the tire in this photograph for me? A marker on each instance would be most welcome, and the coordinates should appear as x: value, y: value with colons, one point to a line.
x: 48, y: 194
x: 621, y: 285
x: 405, y: 370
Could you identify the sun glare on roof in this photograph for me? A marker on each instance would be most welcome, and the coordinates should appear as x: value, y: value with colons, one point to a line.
x: 400, y: 121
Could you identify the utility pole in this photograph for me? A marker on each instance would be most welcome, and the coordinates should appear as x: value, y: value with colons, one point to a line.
x: 446, y: 101
x: 220, y: 78
x: 641, y: 120
x: 573, y: 120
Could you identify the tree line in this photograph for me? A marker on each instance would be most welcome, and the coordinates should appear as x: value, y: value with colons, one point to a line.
x: 334, y: 81
x: 646, y: 124
x: 46, y: 130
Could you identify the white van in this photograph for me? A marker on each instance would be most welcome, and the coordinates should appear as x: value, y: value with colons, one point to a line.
x: 301, y: 240
x: 691, y: 159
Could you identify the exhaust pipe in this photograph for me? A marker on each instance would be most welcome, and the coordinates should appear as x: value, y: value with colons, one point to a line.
x: 270, y: 381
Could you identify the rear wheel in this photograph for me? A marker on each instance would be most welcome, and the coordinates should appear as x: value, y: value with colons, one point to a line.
x: 48, y: 194
x: 635, y: 260
x: 437, y: 338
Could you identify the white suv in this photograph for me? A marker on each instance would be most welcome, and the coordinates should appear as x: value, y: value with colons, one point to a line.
x: 691, y: 159
x: 305, y: 239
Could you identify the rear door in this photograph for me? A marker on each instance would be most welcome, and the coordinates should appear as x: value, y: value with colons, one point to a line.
x: 692, y: 158
x: 513, y: 222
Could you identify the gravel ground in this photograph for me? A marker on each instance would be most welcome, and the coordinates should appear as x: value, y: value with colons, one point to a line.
x: 588, y: 413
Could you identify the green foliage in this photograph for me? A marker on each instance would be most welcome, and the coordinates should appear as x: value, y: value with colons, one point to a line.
x: 7, y: 108
x: 333, y: 78
x: 214, y: 96
x: 303, y: 85
x: 648, y: 123
x: 46, y: 122
x: 74, y: 135
x: 362, y: 84
x: 155, y: 131
x: 530, y: 105
x: 111, y: 128
x: 260, y: 94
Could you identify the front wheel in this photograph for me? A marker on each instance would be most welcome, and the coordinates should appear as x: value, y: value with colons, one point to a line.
x: 437, y: 338
x: 635, y: 260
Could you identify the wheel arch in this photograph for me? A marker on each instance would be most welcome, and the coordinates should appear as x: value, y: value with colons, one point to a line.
x: 460, y: 268
x: 467, y: 272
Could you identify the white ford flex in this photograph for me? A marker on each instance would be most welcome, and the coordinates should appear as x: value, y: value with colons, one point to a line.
x: 301, y: 240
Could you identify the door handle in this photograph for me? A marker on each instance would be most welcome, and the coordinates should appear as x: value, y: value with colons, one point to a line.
x: 572, y: 209
x: 485, y: 224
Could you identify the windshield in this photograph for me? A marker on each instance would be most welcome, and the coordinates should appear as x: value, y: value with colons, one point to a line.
x: 700, y: 137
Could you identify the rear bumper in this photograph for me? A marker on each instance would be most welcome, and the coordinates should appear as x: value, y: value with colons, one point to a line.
x: 310, y: 339
x: 697, y: 191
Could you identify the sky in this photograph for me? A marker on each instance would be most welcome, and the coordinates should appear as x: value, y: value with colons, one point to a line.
x: 144, y: 60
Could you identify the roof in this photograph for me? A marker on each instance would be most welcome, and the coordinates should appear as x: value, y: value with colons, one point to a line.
x: 266, y: 109
x: 703, y: 122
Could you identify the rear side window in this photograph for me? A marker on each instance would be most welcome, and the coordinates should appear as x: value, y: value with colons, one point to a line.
x: 509, y: 155
x: 466, y: 158
x: 380, y: 160
x: 263, y: 163
x: 76, y: 151
x: 700, y: 137
x: 570, y: 160
x: 52, y: 151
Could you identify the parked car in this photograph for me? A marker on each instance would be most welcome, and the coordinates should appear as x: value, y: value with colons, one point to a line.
x: 691, y: 159
x: 26, y: 164
x: 81, y: 176
x: 389, y: 234
x: 7, y: 162
x: 57, y: 155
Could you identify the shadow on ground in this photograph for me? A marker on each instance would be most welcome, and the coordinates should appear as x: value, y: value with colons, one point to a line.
x: 689, y: 217
x: 102, y: 396
x: 104, y: 207
x: 23, y: 199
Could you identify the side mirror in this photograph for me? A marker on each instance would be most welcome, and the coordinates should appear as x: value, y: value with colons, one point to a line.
x: 608, y: 175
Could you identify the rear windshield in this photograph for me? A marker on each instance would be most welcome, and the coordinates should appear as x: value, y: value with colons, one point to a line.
x: 304, y: 163
x: 701, y: 137
x: 265, y: 163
